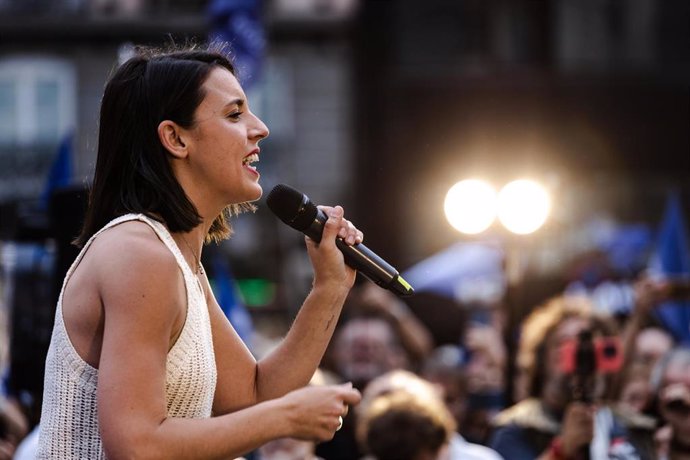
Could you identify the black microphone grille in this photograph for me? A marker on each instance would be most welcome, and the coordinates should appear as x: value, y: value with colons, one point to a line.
x: 291, y: 206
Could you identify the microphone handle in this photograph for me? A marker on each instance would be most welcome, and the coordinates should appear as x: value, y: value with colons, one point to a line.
x: 362, y: 259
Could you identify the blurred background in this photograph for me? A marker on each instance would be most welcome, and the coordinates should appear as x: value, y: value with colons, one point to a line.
x: 381, y: 106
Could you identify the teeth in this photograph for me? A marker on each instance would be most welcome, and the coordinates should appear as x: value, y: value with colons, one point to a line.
x: 253, y: 158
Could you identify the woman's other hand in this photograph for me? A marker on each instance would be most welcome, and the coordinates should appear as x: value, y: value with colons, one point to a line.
x: 314, y: 412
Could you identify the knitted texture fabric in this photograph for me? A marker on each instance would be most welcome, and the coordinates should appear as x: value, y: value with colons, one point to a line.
x: 69, y: 418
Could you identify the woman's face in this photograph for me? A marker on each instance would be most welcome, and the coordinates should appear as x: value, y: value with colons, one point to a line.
x: 674, y: 399
x: 224, y: 144
x: 566, y: 331
x: 555, y: 389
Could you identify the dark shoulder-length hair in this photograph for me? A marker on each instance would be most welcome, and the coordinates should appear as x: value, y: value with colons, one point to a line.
x: 133, y: 172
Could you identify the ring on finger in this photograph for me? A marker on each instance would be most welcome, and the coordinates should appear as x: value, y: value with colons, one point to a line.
x: 340, y: 422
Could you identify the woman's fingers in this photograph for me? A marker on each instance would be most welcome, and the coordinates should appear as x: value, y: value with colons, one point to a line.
x: 346, y: 230
x: 349, y: 233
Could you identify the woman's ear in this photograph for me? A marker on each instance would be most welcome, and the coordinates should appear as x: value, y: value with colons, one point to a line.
x: 171, y: 136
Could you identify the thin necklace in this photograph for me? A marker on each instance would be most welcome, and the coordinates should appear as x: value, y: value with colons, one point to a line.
x: 199, y: 267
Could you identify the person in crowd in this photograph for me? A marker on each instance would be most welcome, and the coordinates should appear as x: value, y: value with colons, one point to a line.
x: 445, y: 368
x: 14, y: 426
x: 486, y: 361
x: 14, y: 422
x: 671, y: 384
x: 400, y: 426
x: 377, y: 334
x: 143, y: 363
x: 565, y: 416
x: 365, y: 346
x: 644, y: 343
x: 636, y: 393
x: 403, y: 416
x: 287, y: 449
x: 651, y: 344
x: 485, y: 370
x: 415, y: 338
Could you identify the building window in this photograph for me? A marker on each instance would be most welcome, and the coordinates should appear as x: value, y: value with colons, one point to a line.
x: 37, y: 109
x: 37, y: 100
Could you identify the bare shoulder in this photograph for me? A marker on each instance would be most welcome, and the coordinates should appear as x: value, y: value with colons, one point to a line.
x: 131, y: 242
x: 130, y: 258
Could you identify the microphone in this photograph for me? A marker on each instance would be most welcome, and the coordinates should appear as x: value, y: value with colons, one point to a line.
x: 296, y: 210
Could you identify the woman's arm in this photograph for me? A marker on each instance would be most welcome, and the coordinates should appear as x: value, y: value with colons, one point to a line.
x: 143, y: 296
x: 292, y: 364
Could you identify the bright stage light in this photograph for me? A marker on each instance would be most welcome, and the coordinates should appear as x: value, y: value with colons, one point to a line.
x: 523, y: 206
x: 470, y: 206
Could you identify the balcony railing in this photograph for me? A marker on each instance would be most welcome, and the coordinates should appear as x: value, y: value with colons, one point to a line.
x: 88, y: 8
x: 56, y: 21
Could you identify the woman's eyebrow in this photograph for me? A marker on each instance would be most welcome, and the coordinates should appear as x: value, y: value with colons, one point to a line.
x: 238, y: 102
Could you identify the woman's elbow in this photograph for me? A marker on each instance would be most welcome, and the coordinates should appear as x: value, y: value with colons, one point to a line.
x: 139, y: 447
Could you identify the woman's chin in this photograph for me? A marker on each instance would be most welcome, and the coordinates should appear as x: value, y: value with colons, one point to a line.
x: 258, y: 194
x: 253, y: 193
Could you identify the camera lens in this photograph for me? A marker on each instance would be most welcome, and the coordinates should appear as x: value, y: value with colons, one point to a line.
x: 609, y: 351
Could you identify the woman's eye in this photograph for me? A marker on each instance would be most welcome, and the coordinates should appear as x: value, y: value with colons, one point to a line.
x: 235, y: 115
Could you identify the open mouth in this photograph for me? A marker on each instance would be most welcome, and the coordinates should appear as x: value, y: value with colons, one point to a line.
x: 249, y: 160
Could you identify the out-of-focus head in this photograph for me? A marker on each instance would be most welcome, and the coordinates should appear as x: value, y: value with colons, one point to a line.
x: 636, y: 390
x: 671, y: 382
x: 444, y: 368
x: 676, y: 367
x: 366, y: 347
x: 401, y: 416
x: 544, y: 332
x: 651, y: 344
x: 287, y: 449
x: 398, y: 379
x: 485, y: 367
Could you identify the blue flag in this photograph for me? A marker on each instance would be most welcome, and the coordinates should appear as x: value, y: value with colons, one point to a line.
x: 672, y: 259
x: 228, y: 297
x: 60, y: 174
x: 238, y: 22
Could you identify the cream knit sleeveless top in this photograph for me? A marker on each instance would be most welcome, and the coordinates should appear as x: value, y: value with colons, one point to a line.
x: 69, y: 417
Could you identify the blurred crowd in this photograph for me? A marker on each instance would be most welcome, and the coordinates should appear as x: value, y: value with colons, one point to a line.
x: 570, y: 381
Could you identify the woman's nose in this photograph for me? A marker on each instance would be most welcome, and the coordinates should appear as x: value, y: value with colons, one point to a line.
x: 260, y: 130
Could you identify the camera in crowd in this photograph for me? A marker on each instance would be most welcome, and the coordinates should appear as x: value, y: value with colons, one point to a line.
x: 599, y: 355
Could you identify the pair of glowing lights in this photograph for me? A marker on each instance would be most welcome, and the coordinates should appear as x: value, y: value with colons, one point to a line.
x: 472, y: 205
